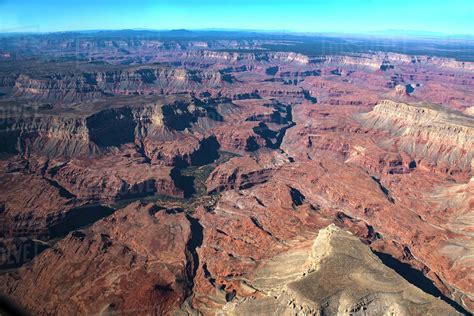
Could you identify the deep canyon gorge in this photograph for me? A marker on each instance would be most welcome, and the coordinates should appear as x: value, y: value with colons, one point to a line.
x: 187, y: 176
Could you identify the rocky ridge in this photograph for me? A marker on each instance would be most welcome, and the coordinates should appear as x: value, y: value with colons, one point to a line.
x: 429, y: 133
x: 329, y: 279
x: 239, y: 158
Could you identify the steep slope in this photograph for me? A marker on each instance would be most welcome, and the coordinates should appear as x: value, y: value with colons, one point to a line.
x: 433, y: 135
x: 132, y: 261
x: 71, y: 87
x: 338, y: 275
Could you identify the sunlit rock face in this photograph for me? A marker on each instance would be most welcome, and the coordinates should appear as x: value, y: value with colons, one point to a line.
x: 230, y: 177
x: 430, y: 133
x: 337, y: 274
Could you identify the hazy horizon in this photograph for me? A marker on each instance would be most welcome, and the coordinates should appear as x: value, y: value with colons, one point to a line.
x: 379, y: 33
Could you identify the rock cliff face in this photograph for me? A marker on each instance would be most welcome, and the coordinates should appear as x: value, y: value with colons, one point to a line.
x: 329, y: 136
x: 433, y: 135
x: 166, y: 152
x: 237, y: 174
x: 35, y: 210
x: 138, y: 258
x: 166, y: 176
x: 33, y: 216
x: 370, y: 61
x: 339, y: 275
x: 51, y: 135
x: 259, y: 56
x: 78, y: 87
x: 470, y: 111
x: 67, y: 135
x: 108, y: 178
x: 384, y: 61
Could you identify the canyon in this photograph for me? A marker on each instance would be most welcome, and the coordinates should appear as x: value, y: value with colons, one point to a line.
x: 244, y: 176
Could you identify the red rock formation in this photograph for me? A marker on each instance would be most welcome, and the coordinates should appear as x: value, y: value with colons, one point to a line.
x: 133, y: 261
x: 434, y: 136
x: 110, y: 178
x: 237, y: 176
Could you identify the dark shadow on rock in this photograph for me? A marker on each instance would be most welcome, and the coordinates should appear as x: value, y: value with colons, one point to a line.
x: 418, y: 279
x: 271, y: 71
x: 251, y: 144
x: 297, y: 197
x: 79, y: 217
x: 10, y: 308
x: 184, y: 183
x: 113, y: 127
x: 207, y: 153
x: 25, y: 252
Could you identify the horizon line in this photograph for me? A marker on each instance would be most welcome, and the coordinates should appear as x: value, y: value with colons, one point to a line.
x: 387, y: 32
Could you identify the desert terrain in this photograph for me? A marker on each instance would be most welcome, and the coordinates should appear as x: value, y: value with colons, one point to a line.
x: 236, y: 175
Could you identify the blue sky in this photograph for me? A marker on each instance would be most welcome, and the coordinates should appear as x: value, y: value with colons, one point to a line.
x: 348, y: 16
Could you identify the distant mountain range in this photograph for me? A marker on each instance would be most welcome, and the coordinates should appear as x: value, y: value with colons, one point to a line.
x: 225, y: 31
x: 460, y: 47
